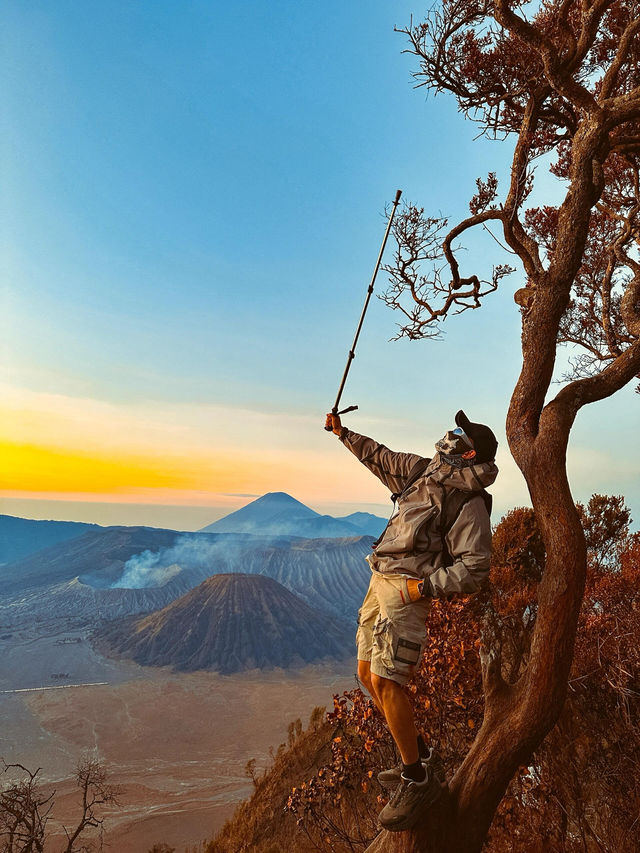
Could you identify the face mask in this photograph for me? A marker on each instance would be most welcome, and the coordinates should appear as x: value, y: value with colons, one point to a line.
x: 455, y: 443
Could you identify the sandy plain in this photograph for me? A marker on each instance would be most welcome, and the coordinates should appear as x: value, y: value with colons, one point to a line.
x: 177, y: 743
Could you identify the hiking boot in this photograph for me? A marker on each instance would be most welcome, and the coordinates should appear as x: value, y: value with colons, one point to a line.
x: 409, y: 800
x: 391, y: 777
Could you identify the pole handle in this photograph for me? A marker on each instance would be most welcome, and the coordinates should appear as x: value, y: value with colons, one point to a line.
x: 329, y: 426
x: 342, y: 412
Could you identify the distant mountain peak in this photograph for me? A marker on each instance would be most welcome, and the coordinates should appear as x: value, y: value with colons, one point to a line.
x: 271, y: 513
x: 278, y: 497
x: 280, y: 514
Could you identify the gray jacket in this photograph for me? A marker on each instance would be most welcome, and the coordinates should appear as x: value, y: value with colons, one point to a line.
x: 414, y: 544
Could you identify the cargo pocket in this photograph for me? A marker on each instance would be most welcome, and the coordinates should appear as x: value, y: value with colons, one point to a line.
x: 383, y: 642
x: 406, y: 651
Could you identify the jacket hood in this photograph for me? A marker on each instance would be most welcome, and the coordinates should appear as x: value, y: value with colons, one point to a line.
x: 470, y: 478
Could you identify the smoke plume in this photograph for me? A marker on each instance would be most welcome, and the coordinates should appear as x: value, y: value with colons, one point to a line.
x: 204, y: 554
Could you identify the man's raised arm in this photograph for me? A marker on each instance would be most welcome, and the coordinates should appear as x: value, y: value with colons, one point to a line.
x: 391, y: 467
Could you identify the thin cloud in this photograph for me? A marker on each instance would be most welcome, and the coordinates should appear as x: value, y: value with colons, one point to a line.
x: 237, y: 495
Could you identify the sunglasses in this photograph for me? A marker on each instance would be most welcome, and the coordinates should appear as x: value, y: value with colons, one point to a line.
x: 459, y: 431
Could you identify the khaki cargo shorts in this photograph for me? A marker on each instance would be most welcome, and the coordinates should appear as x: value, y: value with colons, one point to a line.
x: 391, y: 628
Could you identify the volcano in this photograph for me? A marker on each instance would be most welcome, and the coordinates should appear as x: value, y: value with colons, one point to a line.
x: 229, y: 623
x: 278, y: 514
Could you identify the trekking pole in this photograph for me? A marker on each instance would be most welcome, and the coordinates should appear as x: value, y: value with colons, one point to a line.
x: 352, y: 351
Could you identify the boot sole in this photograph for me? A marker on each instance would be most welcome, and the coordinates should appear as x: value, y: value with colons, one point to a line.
x: 410, y: 822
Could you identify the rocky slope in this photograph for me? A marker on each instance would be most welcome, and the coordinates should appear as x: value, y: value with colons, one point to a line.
x: 84, y: 604
x: 229, y: 623
x: 328, y: 574
x: 331, y: 574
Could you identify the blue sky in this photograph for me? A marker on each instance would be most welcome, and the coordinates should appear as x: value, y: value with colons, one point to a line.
x: 193, y: 203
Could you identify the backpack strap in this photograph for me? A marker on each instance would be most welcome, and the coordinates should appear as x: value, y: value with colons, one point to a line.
x: 417, y: 470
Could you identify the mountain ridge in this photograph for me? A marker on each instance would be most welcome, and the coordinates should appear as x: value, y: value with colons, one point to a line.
x: 20, y: 537
x: 105, y: 550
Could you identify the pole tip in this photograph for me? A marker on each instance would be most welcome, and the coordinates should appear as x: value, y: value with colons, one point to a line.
x: 398, y: 194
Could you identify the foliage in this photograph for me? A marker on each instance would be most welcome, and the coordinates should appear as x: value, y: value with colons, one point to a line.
x: 517, y: 544
x: 540, y: 76
x: 605, y: 521
x: 582, y: 787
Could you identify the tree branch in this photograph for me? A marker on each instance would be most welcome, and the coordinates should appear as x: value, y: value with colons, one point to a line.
x: 418, y: 240
x: 563, y: 83
x: 465, y: 225
x: 611, y: 75
x: 621, y: 371
x: 522, y: 243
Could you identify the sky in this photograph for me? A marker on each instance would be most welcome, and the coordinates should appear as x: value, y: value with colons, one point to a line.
x: 193, y: 200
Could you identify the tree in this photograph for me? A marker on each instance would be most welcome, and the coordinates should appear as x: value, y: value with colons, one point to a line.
x: 24, y: 813
x: 25, y: 810
x: 560, y: 79
x: 250, y: 771
x: 605, y: 520
x: 91, y: 779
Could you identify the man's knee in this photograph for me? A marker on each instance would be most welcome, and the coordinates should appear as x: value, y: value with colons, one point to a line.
x: 364, y: 673
x: 384, y: 686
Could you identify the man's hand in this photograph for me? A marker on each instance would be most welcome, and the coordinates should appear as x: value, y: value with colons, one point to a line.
x: 416, y: 589
x: 333, y: 423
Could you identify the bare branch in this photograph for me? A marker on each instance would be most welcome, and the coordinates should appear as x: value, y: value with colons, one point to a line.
x: 465, y: 225
x: 24, y: 812
x: 521, y: 242
x: 418, y: 239
x: 91, y: 778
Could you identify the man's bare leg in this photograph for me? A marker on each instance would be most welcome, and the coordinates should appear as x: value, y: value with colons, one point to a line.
x: 364, y: 677
x: 399, y: 716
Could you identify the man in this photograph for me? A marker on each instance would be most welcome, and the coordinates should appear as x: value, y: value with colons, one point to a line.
x: 437, y: 544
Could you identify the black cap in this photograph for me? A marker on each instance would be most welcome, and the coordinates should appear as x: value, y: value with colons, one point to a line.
x: 484, y: 441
